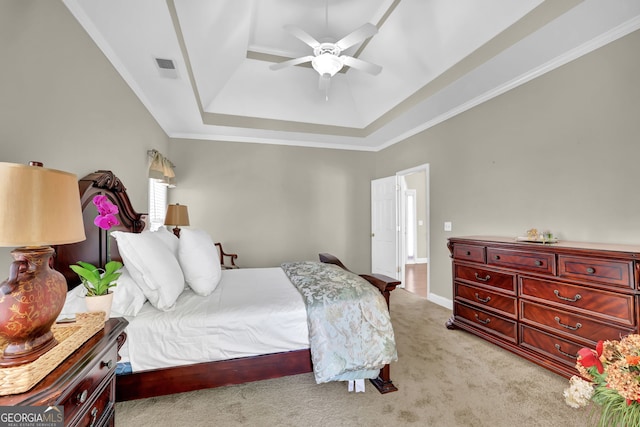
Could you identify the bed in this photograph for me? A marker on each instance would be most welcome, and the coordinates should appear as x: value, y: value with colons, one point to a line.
x: 99, y: 247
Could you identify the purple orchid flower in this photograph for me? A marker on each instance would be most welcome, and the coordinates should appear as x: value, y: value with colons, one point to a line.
x: 106, y: 213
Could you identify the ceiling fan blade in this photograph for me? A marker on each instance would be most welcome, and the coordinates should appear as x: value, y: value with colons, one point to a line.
x: 360, y: 34
x: 361, y: 65
x: 291, y: 62
x: 302, y: 35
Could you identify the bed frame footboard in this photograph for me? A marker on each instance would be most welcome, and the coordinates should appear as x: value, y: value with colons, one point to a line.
x: 385, y: 285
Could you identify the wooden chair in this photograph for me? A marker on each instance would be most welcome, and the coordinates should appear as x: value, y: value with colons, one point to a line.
x: 223, y: 254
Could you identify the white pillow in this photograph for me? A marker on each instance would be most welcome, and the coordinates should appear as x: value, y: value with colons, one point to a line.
x: 128, y: 298
x: 152, y: 266
x: 199, y: 260
x: 168, y: 238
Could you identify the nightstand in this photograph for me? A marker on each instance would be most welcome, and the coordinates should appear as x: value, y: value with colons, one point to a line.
x: 84, y: 383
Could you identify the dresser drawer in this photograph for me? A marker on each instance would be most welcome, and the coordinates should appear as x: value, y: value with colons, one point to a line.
x: 85, y: 392
x: 610, y: 272
x: 564, y: 322
x: 497, y: 279
x: 101, y: 410
x: 469, y: 253
x: 503, y: 328
x: 481, y: 297
x: 539, y: 262
x: 609, y: 306
x: 550, y: 346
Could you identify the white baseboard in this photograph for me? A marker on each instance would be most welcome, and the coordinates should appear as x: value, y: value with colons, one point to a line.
x: 441, y: 301
x: 418, y: 261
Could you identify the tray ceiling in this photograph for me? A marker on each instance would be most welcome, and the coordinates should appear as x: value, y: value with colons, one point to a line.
x: 439, y: 58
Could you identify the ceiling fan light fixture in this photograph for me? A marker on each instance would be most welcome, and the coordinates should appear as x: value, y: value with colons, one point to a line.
x: 327, y: 63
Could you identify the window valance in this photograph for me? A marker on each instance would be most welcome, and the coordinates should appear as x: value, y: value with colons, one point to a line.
x: 161, y: 168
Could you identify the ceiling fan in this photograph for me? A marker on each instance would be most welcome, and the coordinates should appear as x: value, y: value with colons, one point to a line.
x: 326, y: 58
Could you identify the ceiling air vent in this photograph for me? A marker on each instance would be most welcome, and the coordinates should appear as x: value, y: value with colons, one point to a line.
x: 167, y: 68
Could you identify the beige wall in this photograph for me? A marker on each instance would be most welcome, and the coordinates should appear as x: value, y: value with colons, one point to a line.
x: 271, y: 203
x: 560, y: 152
x: 62, y: 102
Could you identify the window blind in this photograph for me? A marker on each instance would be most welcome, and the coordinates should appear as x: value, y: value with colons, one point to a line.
x: 157, y: 203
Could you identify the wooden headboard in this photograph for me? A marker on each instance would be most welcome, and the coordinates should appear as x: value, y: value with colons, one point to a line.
x: 99, y: 247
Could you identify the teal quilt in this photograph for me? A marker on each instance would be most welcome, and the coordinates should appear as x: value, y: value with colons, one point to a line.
x: 350, y: 330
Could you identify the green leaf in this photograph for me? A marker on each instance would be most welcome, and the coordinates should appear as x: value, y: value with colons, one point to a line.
x: 85, y: 274
x: 109, y: 277
x: 112, y: 267
x: 96, y: 280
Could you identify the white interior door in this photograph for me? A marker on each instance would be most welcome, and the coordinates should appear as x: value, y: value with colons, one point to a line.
x: 384, y: 227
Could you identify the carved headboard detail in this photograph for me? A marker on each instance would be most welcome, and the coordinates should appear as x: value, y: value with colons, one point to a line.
x: 100, y: 247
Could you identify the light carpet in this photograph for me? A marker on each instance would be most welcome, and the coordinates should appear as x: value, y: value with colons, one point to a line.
x: 444, y: 377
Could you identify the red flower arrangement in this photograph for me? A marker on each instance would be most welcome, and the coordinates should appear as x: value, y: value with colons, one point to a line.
x: 612, y: 371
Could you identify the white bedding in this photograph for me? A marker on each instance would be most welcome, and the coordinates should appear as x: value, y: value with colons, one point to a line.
x: 253, y: 311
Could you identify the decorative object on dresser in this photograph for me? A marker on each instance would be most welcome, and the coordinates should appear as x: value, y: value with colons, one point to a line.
x: 84, y: 383
x: 177, y: 215
x: 40, y: 207
x: 533, y: 235
x: 544, y: 302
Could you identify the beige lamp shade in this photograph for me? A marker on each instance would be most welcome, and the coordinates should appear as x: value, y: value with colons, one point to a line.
x: 39, y: 206
x: 176, y: 215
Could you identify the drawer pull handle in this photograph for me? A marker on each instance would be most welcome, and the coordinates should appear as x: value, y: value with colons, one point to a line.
x: 483, y: 279
x: 574, y: 299
x: 573, y: 356
x: 573, y: 328
x: 591, y: 270
x: 485, y: 300
x: 94, y: 416
x: 468, y: 253
x: 484, y: 322
x: 539, y: 263
x: 108, y: 364
x: 82, y: 397
x: 496, y: 257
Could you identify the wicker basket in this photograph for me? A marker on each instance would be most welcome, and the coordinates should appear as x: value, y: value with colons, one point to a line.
x: 70, y: 337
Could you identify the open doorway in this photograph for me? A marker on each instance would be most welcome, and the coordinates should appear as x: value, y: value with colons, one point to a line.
x: 413, y: 216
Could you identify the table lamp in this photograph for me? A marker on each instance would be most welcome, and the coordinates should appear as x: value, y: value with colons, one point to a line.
x: 176, y: 215
x: 38, y: 207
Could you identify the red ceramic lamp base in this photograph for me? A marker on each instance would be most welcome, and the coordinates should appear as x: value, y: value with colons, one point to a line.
x: 30, y: 301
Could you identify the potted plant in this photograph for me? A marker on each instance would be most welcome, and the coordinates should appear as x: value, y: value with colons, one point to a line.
x: 97, y: 282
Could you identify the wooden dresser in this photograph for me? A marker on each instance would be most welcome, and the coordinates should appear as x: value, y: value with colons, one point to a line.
x: 84, y: 383
x: 544, y: 301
